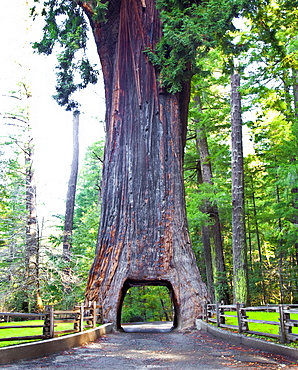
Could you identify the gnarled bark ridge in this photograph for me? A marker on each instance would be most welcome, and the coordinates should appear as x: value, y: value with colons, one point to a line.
x: 143, y: 234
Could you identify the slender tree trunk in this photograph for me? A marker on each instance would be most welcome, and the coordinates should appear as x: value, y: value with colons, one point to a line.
x: 295, y: 189
x: 71, y: 191
x: 207, y: 245
x: 208, y: 261
x: 143, y: 235
x: 31, y: 287
x: 280, y: 254
x: 258, y: 240
x: 238, y: 213
x: 164, y: 310
x: 249, y: 231
x: 32, y: 240
x: 295, y: 91
x: 220, y: 278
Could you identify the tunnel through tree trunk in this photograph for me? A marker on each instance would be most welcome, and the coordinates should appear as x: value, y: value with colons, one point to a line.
x: 143, y: 233
x: 170, y: 316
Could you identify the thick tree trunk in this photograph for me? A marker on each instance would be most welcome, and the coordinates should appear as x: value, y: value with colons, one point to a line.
x: 238, y: 213
x: 143, y: 236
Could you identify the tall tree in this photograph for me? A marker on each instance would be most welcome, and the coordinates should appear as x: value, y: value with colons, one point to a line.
x: 71, y: 190
x: 32, y: 232
x: 143, y: 234
x: 240, y: 277
x: 206, y: 240
x: 273, y: 49
x: 21, y: 194
x: 220, y: 281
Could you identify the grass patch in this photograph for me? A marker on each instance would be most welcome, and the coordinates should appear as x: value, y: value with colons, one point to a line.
x: 260, y: 327
x: 7, y: 333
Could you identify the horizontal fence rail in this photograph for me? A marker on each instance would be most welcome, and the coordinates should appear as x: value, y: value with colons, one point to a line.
x: 9, y: 316
x: 218, y: 314
x: 82, y: 317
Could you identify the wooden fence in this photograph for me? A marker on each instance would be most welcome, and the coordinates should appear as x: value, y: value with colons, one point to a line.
x: 82, y: 317
x: 8, y: 316
x: 217, y: 313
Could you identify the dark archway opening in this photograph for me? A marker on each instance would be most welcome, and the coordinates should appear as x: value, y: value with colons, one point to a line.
x: 147, y: 306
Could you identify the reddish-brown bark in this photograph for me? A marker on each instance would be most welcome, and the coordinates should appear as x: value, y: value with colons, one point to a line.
x: 143, y: 236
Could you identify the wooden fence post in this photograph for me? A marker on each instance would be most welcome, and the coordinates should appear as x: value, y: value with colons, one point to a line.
x: 239, y: 320
x: 288, y: 328
x: 52, y: 326
x: 48, y: 330
x: 82, y: 317
x: 282, y: 332
x: 243, y: 316
x: 222, y: 312
x: 217, y: 315
x: 94, y: 314
x: 206, y: 312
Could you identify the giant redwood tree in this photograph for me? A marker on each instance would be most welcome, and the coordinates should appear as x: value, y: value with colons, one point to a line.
x: 147, y: 57
x: 143, y: 236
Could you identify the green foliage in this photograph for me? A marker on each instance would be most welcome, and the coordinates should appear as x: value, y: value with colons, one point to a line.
x: 190, y: 30
x: 147, y: 303
x: 199, y: 41
x: 67, y: 27
x: 271, y: 176
x: 209, y: 116
x: 15, y: 289
x: 86, y: 221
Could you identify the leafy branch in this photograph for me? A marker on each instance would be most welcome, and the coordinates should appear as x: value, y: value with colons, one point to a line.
x: 67, y: 27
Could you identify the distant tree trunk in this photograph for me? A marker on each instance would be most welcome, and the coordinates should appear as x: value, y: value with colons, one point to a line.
x: 32, y: 241
x: 71, y: 191
x: 294, y: 284
x: 249, y: 232
x: 238, y: 213
x: 295, y: 91
x: 220, y: 278
x: 295, y: 189
x: 31, y: 288
x: 280, y: 253
x: 143, y: 236
x: 258, y: 240
x: 206, y: 245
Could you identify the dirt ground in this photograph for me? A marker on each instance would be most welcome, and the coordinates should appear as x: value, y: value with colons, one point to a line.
x: 158, y: 350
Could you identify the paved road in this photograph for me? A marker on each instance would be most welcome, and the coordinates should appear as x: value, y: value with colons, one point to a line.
x: 158, y: 350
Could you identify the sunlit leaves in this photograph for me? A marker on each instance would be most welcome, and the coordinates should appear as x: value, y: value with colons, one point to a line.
x: 67, y: 28
x: 190, y: 30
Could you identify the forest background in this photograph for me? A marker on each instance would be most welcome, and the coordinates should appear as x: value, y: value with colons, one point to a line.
x: 264, y: 45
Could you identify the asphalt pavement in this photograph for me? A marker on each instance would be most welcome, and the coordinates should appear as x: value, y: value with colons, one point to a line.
x: 155, y: 346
